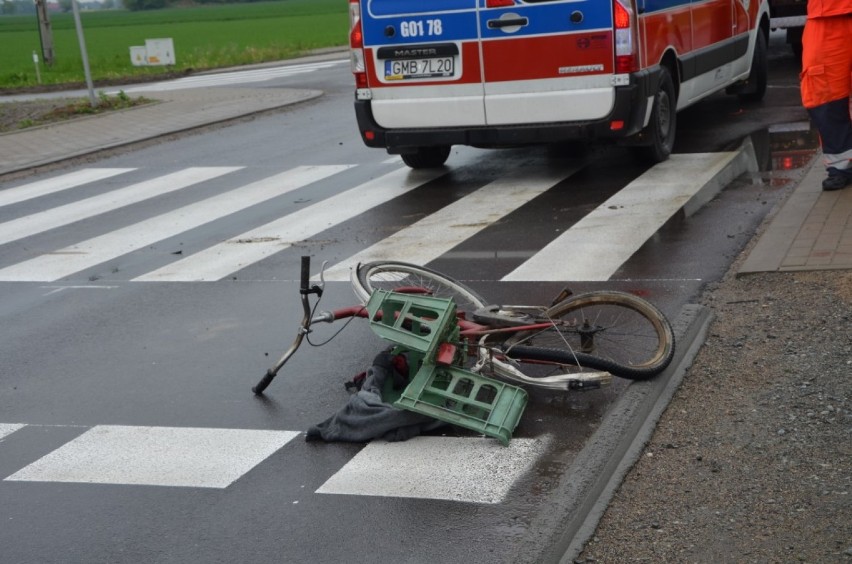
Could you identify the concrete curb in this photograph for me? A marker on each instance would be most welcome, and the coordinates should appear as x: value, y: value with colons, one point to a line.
x: 587, y: 487
x: 635, y: 418
x: 741, y: 161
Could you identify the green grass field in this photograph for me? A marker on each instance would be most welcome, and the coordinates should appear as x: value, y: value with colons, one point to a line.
x: 204, y: 37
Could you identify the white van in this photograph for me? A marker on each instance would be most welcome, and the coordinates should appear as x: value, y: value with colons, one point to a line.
x: 430, y: 74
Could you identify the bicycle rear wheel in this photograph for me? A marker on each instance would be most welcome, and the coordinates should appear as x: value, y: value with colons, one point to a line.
x: 394, y: 276
x: 613, y: 331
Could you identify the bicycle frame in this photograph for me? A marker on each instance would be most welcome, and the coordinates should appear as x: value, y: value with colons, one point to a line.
x: 505, y: 367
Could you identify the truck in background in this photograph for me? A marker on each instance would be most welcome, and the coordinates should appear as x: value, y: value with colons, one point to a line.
x: 789, y: 15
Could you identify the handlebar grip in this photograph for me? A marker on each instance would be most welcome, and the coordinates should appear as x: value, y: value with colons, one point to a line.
x: 267, y: 379
x: 306, y: 272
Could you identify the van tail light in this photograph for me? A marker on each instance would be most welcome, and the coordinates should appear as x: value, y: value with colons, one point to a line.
x: 499, y: 3
x: 625, y: 37
x: 356, y: 45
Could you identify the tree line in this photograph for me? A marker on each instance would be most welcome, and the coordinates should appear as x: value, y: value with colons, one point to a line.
x: 135, y: 5
x: 9, y: 7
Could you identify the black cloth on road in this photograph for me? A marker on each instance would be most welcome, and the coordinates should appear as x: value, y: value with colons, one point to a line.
x: 366, y: 416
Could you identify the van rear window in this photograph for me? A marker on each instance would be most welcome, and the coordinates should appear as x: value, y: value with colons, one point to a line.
x: 386, y: 8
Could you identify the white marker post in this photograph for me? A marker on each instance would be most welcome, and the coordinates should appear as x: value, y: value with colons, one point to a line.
x: 35, y: 61
x: 82, y: 41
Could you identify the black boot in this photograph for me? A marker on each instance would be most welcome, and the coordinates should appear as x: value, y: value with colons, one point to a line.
x: 836, y: 179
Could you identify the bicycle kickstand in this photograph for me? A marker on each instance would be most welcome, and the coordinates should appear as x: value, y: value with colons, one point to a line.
x: 305, y: 289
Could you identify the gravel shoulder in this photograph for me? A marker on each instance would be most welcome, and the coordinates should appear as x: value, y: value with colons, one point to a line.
x: 15, y: 116
x: 751, y: 460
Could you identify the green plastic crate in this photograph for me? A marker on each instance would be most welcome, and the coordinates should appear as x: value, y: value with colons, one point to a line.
x: 418, y: 323
x: 465, y: 399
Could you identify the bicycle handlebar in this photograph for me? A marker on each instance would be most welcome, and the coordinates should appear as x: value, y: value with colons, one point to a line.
x: 264, y: 382
x: 304, y: 328
x: 306, y: 273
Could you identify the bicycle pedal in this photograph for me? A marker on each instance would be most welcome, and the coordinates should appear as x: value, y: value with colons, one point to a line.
x: 589, y: 381
x: 563, y: 295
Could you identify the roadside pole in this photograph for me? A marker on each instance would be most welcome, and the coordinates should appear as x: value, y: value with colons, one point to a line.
x: 82, y: 40
x: 44, y: 32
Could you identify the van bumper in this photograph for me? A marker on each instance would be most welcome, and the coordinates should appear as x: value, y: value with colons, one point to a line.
x: 630, y: 107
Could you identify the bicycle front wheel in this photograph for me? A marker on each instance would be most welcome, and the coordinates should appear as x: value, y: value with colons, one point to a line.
x: 395, y: 276
x: 613, y: 331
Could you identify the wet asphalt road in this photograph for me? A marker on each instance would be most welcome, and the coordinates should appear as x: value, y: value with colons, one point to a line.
x: 96, y: 349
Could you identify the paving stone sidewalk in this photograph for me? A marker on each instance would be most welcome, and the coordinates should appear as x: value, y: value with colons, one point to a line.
x: 811, y: 231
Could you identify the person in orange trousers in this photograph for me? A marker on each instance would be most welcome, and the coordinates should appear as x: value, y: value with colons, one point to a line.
x: 827, y: 84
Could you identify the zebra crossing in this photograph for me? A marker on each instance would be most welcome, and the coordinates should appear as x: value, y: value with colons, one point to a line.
x: 96, y: 205
x: 591, y: 250
x: 216, y: 262
x: 66, y: 261
x: 429, y: 238
x: 471, y: 470
x: 233, y: 78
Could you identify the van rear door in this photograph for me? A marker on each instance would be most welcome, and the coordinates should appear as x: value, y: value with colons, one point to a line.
x: 423, y: 62
x: 546, y: 60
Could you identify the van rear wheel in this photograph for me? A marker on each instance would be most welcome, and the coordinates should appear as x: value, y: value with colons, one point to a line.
x: 660, y: 133
x: 758, y: 77
x: 427, y: 157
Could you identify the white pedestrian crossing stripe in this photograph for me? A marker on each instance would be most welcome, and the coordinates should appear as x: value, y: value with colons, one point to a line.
x: 156, y: 456
x: 470, y: 470
x: 9, y: 428
x: 450, y: 468
x: 593, y: 249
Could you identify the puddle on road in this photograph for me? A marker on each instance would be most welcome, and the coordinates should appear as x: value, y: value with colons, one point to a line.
x: 783, y: 150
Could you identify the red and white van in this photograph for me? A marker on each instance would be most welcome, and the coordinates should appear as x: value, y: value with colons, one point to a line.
x: 430, y: 74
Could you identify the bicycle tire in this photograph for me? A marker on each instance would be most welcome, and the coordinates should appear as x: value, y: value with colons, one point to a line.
x: 390, y: 275
x: 630, y: 337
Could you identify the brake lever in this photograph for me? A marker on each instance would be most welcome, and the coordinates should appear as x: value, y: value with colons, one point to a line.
x: 321, y: 285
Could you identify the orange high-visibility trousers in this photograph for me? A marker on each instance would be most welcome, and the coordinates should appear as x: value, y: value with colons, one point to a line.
x: 826, y: 60
x: 827, y: 84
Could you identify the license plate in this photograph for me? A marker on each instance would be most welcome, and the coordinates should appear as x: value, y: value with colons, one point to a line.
x: 405, y: 69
